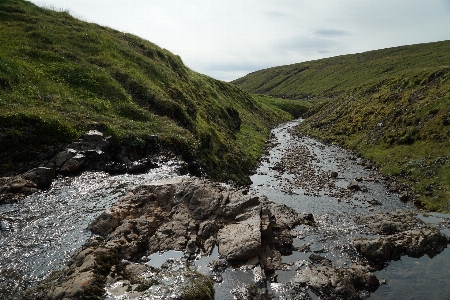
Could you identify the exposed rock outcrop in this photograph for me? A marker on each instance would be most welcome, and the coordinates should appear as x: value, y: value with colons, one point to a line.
x: 185, y: 214
x: 194, y: 215
x: 12, y: 188
x: 329, y: 282
x: 92, y: 152
x: 400, y: 233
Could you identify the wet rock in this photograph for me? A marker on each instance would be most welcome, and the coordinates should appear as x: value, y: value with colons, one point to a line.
x: 374, y: 202
x: 401, y: 233
x: 363, y: 188
x: 329, y: 282
x: 92, y: 152
x: 190, y: 215
x: 317, y: 259
x: 25, y: 184
x: 271, y: 259
x: 304, y: 248
x: 84, y: 277
x: 219, y: 265
x: 63, y: 157
x: 41, y: 176
x: 207, y: 229
x: 371, y: 179
x: 104, y: 223
x: 354, y: 186
x: 4, y: 225
x: 141, y: 166
x: 405, y: 196
x: 176, y: 214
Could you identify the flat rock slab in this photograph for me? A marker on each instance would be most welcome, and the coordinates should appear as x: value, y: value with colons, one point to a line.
x: 241, y: 240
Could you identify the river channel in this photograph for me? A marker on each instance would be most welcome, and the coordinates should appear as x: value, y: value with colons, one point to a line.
x: 307, y: 188
x: 40, y: 233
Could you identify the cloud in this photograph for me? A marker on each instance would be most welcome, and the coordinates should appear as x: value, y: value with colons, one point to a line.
x: 223, y: 39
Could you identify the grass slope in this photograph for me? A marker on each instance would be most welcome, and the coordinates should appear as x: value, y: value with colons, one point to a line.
x: 391, y: 105
x: 60, y: 77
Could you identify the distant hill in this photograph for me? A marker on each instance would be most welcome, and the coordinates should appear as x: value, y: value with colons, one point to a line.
x: 60, y: 77
x: 331, y: 77
x: 390, y: 105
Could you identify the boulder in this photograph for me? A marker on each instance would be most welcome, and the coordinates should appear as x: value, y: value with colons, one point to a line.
x: 41, y: 176
x: 241, y: 240
x: 25, y: 184
x: 194, y: 214
x: 334, y: 174
x: 400, y: 233
x: 185, y: 214
x: 354, y: 186
x: 330, y: 282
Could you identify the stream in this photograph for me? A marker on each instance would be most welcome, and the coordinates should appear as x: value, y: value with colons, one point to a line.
x: 40, y: 233
x: 307, y: 189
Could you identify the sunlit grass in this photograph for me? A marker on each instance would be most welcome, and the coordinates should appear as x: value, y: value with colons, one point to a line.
x: 77, y: 76
x: 391, y: 105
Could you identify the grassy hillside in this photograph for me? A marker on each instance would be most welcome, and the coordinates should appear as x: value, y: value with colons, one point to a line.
x: 331, y: 77
x: 391, y: 105
x: 60, y: 77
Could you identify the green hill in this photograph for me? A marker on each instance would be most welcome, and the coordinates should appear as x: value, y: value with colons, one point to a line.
x: 390, y: 105
x: 60, y: 77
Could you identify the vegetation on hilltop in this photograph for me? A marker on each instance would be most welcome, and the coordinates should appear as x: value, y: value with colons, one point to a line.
x: 331, y: 77
x: 391, y: 105
x: 60, y: 77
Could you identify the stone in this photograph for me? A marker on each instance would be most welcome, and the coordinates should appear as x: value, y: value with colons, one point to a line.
x: 329, y: 282
x: 404, y: 196
x: 354, y: 186
x: 207, y: 229
x: 73, y: 165
x: 242, y: 240
x: 399, y: 233
x: 447, y: 205
x: 25, y: 184
x: 104, y: 224
x: 317, y: 259
x: 374, y: 202
x: 41, y: 176
x: 64, y: 156
x: 186, y: 214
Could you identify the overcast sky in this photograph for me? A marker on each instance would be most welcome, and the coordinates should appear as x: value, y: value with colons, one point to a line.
x: 227, y: 39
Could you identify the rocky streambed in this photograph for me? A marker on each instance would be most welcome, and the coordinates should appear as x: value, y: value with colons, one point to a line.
x: 317, y: 223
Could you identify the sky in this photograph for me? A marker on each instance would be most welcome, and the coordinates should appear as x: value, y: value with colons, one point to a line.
x: 227, y: 39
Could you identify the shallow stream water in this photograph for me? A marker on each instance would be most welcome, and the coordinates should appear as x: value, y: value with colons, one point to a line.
x: 333, y: 208
x: 40, y: 233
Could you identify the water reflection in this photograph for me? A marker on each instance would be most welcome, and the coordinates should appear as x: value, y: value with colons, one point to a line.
x: 335, y: 227
x: 41, y: 232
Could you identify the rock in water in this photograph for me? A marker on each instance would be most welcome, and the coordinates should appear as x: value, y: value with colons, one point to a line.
x: 186, y: 214
x: 400, y: 233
